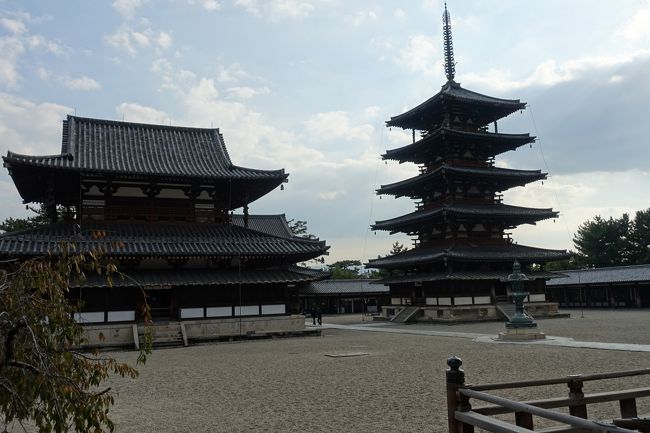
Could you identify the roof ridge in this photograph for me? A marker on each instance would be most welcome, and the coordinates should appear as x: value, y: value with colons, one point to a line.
x: 138, y: 124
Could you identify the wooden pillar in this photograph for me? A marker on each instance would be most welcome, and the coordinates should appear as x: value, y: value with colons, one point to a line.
x: 636, y: 296
x: 455, y: 377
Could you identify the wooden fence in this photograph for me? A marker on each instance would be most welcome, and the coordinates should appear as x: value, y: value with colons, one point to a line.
x: 463, y: 418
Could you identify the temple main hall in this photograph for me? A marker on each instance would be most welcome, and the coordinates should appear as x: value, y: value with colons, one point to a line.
x: 462, y: 249
x: 158, y: 201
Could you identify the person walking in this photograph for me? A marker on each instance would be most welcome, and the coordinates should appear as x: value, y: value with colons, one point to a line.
x: 313, y: 316
x: 320, y: 318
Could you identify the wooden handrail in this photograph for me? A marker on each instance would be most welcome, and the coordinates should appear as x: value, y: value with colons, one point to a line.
x: 516, y: 406
x: 463, y: 418
x: 559, y: 380
x: 601, y: 397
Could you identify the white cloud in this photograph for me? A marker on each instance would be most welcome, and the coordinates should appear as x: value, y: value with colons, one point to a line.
x: 578, y: 197
x: 133, y: 112
x: 637, y: 27
x: 128, y: 8
x: 243, y: 92
x: 11, y: 49
x: 43, y: 73
x: 208, y: 5
x: 83, y: 83
x: 19, y: 41
x: 164, y: 40
x: 362, y: 17
x: 331, y: 195
x: 211, y: 5
x: 372, y: 111
x: 279, y: 9
x: 420, y: 55
x: 29, y: 127
x: 549, y: 72
x: 38, y: 42
x: 232, y: 73
x: 399, y: 13
x: 128, y: 39
x: 335, y: 125
x: 13, y: 26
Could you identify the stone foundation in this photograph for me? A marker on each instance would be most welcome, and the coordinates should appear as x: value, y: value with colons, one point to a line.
x: 521, y: 334
x: 124, y: 335
x: 470, y: 313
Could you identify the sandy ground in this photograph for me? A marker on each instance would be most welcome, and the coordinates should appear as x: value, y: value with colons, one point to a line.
x: 290, y: 385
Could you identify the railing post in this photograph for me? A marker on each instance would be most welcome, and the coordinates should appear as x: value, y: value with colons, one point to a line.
x: 628, y: 408
x: 524, y: 419
x: 456, y: 380
x: 576, y: 407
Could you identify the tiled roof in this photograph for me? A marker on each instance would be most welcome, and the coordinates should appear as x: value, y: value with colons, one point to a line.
x: 422, y: 116
x: 342, y: 287
x: 106, y: 146
x: 275, y: 225
x: 504, y: 178
x: 480, y: 253
x: 158, y: 240
x: 465, y: 275
x: 434, y: 143
x: 514, y: 214
x: 202, y: 277
x: 617, y: 274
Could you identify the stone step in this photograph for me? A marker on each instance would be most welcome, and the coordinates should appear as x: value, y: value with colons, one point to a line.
x: 405, y: 315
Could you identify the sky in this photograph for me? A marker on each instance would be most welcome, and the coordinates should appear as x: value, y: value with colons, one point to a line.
x: 306, y: 85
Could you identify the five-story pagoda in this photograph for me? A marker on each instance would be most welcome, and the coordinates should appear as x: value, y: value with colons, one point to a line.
x: 462, y: 249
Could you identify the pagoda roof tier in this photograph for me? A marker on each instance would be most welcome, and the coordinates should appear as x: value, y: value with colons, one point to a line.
x: 464, y: 276
x: 160, y: 240
x: 163, y: 278
x: 504, y: 253
x: 455, y: 100
x: 439, y: 142
x: 136, y: 151
x: 513, y: 215
x: 500, y: 179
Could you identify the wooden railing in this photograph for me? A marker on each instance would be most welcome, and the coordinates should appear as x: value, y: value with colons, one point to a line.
x: 463, y: 418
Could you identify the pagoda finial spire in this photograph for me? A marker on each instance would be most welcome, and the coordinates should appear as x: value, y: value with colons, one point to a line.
x: 450, y: 65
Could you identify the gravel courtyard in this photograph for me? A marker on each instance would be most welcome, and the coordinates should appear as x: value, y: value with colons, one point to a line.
x: 290, y: 385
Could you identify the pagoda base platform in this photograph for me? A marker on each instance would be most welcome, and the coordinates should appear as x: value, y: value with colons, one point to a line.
x: 522, y: 334
x: 468, y: 313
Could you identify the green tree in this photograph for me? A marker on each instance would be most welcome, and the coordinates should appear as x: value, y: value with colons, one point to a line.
x: 44, y: 379
x: 40, y: 218
x: 604, y: 242
x: 397, y: 249
x: 575, y: 261
x: 299, y: 228
x: 345, y: 270
x: 640, y: 237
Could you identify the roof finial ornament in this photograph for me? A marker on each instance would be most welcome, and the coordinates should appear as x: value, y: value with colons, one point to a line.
x: 450, y: 65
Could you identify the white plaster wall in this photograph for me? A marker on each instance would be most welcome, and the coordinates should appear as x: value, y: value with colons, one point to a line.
x: 121, y: 316
x: 431, y: 301
x: 463, y: 300
x: 247, y: 310
x: 191, y: 313
x: 274, y: 309
x: 218, y: 312
x: 89, y: 317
